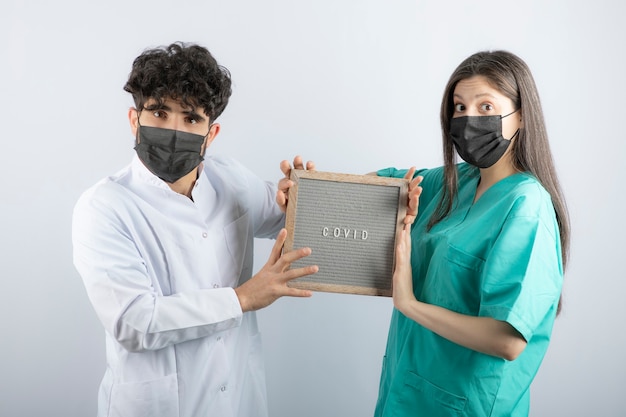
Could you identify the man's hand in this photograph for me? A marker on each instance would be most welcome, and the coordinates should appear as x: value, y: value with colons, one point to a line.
x: 270, y: 283
x: 285, y: 184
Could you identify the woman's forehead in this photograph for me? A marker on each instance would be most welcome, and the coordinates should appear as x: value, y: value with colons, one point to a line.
x: 475, y: 87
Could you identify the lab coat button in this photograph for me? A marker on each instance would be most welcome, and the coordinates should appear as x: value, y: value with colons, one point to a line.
x: 216, y: 286
x: 223, y: 388
x: 204, y: 234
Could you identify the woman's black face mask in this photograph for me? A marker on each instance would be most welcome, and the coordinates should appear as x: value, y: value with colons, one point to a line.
x: 478, y: 139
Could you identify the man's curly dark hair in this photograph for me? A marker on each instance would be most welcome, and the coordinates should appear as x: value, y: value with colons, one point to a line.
x: 187, y: 73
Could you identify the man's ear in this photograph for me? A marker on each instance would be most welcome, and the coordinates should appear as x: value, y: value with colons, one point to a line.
x: 133, y: 119
x: 214, y: 129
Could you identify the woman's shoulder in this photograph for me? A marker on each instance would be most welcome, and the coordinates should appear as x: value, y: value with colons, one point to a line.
x: 531, y: 199
x: 526, y: 184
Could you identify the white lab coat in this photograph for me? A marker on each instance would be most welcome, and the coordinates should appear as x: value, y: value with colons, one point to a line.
x: 159, y: 270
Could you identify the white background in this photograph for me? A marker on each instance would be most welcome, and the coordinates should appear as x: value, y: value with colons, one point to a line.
x: 352, y: 85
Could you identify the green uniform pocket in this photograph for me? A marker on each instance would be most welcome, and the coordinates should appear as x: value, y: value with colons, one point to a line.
x: 428, y: 399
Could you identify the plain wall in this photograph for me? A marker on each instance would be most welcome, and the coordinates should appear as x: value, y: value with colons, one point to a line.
x: 354, y: 86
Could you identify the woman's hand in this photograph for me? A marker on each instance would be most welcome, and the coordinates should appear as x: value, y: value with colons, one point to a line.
x: 403, y: 276
x: 482, y: 334
x: 414, y: 195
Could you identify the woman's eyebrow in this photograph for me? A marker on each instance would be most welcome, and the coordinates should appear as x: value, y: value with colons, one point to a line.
x: 480, y: 95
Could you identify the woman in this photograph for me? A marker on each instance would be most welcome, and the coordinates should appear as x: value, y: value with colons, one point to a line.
x: 478, y: 278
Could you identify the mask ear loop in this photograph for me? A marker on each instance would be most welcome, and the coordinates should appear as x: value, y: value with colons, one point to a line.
x: 517, y: 131
x: 507, y: 115
x: 138, y: 126
x: 514, y: 134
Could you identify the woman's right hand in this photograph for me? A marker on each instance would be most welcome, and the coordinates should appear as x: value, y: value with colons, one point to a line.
x: 402, y: 291
x: 414, y: 195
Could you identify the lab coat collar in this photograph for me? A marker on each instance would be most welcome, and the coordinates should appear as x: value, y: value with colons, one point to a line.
x: 143, y: 174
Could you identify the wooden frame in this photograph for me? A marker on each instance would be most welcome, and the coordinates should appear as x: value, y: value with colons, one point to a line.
x: 352, y: 224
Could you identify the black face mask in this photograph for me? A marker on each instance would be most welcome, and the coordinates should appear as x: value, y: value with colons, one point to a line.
x: 169, y: 154
x: 478, y: 139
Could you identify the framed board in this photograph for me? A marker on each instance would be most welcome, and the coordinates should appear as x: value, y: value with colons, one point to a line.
x: 351, y: 223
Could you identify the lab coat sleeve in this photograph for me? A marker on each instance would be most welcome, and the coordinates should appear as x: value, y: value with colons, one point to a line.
x: 522, y: 277
x: 267, y: 217
x: 124, y: 297
x: 257, y: 195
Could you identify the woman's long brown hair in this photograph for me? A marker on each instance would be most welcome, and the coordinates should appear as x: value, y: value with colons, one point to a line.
x: 530, y: 152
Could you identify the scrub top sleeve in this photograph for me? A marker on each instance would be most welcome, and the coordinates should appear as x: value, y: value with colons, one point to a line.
x: 398, y: 173
x: 522, y: 276
x: 391, y: 172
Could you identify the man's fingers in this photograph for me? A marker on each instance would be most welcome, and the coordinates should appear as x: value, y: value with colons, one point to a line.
x: 281, y: 198
x: 297, y: 162
x: 299, y: 272
x: 295, y: 292
x: 288, y: 258
x: 277, y: 249
x: 285, y: 167
x: 284, y: 185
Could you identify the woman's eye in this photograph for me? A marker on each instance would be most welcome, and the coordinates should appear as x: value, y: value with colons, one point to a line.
x: 459, y: 107
x: 486, y: 107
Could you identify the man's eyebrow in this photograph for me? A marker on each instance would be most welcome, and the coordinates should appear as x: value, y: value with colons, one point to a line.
x: 157, y: 106
x: 194, y: 114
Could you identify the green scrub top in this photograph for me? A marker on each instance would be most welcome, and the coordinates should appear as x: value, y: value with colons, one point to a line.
x: 499, y: 257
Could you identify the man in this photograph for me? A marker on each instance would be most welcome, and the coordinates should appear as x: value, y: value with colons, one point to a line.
x: 165, y: 247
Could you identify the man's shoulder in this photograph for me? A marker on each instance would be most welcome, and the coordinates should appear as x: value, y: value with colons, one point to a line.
x: 106, y: 191
x: 221, y: 169
x: 219, y: 163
